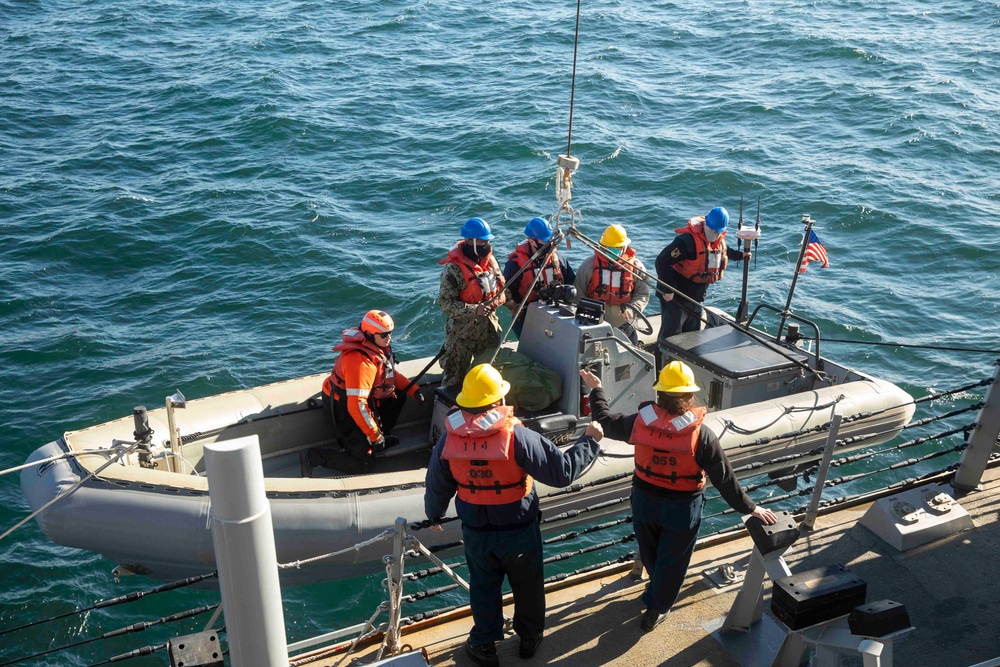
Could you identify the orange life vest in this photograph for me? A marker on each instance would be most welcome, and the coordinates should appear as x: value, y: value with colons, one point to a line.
x: 665, y: 447
x: 385, y: 377
x: 479, y: 449
x: 610, y: 282
x: 480, y: 284
x: 709, y: 262
x: 551, y: 275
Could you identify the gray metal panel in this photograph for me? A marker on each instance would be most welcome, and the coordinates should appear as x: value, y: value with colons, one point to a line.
x: 553, y: 340
x: 729, y: 352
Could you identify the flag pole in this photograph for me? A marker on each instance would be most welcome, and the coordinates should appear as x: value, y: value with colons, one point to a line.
x: 808, y: 222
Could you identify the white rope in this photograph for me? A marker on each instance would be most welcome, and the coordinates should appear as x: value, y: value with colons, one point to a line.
x: 384, y: 535
x: 50, y: 459
x: 124, y: 452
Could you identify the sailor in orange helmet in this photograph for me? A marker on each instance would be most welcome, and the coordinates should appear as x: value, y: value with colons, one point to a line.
x: 673, y: 453
x: 364, y: 396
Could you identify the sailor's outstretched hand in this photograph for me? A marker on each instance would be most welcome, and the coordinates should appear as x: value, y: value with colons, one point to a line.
x: 765, y: 515
x: 589, y: 378
x: 595, y: 431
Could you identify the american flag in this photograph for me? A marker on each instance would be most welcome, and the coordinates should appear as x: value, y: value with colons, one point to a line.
x: 815, y: 252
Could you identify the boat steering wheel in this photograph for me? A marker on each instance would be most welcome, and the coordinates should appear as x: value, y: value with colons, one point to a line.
x: 647, y: 329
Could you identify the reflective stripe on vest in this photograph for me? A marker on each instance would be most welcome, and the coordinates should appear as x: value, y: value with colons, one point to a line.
x: 384, y: 386
x: 610, y: 282
x: 665, y: 446
x: 710, y: 261
x: 480, y: 284
x: 479, y: 451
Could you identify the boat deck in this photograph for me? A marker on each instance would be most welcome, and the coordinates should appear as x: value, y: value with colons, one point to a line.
x: 949, y: 587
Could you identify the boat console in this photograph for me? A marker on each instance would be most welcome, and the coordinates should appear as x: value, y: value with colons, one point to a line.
x: 734, y: 369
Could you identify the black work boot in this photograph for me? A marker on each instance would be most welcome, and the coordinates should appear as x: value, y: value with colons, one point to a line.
x: 528, y: 646
x: 651, y: 619
x: 483, y: 654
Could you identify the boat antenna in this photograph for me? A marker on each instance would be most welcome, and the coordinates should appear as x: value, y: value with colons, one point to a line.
x: 746, y: 235
x: 808, y: 222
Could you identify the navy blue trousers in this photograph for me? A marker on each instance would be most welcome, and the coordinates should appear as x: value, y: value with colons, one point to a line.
x: 516, y: 554
x: 666, y: 530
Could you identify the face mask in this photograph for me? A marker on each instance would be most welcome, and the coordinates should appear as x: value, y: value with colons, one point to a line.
x: 617, y: 252
x: 711, y: 234
x: 477, y: 249
x: 483, y: 249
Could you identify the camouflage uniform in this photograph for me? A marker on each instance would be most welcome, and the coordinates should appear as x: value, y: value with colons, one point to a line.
x: 465, y: 333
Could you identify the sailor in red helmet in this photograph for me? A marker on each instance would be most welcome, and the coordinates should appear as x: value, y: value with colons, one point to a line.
x: 491, y: 462
x: 364, y: 396
x: 696, y: 258
x: 673, y: 454
x: 615, y: 276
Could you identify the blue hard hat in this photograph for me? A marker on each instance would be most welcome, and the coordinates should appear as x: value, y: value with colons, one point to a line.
x: 717, y: 219
x: 476, y: 228
x: 538, y: 228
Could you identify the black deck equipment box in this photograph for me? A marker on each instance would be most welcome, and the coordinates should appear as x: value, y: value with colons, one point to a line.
x: 878, y: 619
x: 816, y: 596
x: 780, y: 535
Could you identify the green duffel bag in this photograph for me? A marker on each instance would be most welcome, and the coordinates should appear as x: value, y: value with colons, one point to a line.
x: 533, y: 387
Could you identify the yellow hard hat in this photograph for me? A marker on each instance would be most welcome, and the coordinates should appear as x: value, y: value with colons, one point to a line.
x: 676, y: 378
x: 483, y: 385
x: 614, y: 237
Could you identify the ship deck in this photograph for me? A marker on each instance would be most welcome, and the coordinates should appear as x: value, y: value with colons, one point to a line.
x: 949, y: 588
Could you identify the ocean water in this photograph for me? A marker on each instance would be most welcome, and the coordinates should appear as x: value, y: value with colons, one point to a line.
x: 201, y: 195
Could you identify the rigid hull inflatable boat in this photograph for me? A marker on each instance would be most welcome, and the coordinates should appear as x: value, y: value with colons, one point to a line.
x: 149, y: 510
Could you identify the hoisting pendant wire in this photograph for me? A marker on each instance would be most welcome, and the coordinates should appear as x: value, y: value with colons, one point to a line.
x: 572, y: 88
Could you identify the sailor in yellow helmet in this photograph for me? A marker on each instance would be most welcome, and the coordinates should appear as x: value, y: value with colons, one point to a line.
x: 490, y: 461
x: 673, y: 453
x: 614, y: 275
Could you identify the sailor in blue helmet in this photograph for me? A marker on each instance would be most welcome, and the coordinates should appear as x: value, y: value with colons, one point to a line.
x: 695, y: 259
x: 554, y: 268
x: 471, y: 289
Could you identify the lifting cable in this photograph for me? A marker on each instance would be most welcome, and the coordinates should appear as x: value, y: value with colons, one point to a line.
x: 572, y: 89
x: 121, y: 599
x: 128, y: 629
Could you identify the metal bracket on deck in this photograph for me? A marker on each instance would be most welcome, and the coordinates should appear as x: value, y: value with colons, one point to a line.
x: 915, y: 517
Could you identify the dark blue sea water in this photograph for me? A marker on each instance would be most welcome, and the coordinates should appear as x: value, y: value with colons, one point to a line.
x: 201, y: 195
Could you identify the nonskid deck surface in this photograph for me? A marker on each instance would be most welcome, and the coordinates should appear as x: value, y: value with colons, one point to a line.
x: 948, y: 586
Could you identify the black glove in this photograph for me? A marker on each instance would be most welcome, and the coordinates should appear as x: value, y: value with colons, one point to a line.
x: 378, y: 445
x: 391, y: 441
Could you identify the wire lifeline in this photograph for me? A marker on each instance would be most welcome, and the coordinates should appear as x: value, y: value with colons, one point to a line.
x: 121, y: 599
x: 129, y: 629
x: 384, y: 535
